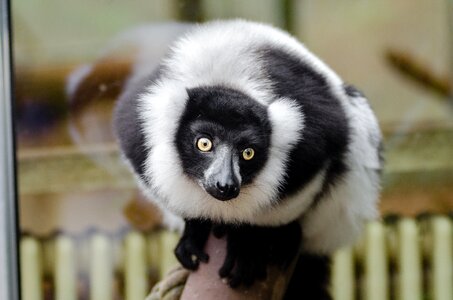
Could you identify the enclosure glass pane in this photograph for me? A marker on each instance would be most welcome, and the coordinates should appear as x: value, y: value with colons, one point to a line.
x: 71, y: 59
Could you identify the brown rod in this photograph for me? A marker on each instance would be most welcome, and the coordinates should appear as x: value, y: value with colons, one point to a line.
x: 419, y: 73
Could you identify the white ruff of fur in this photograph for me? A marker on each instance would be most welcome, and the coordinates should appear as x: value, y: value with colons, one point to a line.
x: 178, y: 193
x: 219, y: 54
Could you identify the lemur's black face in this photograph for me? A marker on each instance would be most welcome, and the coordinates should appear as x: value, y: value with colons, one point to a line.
x: 223, y: 140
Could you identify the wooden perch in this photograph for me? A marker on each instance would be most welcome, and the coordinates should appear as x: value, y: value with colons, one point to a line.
x: 206, y: 284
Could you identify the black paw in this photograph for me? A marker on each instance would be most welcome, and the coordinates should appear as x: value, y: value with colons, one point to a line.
x: 190, y: 248
x: 190, y: 254
x: 243, y: 265
x: 251, y: 249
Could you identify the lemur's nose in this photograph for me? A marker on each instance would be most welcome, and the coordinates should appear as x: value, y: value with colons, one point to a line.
x: 228, y: 190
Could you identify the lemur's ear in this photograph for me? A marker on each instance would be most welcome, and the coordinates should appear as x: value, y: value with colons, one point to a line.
x: 190, y: 93
x: 193, y: 96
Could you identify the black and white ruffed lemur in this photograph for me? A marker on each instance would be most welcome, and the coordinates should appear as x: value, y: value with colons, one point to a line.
x: 243, y: 132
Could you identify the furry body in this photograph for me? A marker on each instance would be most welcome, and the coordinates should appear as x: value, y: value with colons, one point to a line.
x: 317, y: 159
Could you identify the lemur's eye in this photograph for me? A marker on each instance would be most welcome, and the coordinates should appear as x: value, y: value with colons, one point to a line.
x: 248, y: 153
x: 204, y: 144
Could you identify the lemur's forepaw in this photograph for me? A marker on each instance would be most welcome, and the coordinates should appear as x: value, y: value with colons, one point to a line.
x: 190, y: 254
x: 251, y: 249
x: 189, y: 250
x: 243, y: 268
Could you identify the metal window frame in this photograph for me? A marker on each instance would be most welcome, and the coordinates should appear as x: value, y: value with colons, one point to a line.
x: 450, y: 25
x: 9, y: 270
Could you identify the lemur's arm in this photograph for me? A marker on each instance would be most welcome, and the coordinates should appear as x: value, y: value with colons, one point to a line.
x: 190, y: 248
x: 250, y: 249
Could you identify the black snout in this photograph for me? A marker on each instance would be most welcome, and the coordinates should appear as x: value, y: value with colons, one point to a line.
x: 229, y: 191
x: 224, y: 191
x: 222, y: 182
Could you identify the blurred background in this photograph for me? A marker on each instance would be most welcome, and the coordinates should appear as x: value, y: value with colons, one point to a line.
x: 71, y: 59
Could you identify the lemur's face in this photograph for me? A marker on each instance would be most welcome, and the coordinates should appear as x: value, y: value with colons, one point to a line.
x: 223, y: 140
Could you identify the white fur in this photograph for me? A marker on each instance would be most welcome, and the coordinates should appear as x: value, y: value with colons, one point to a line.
x: 218, y: 53
x: 292, y: 207
x: 183, y: 196
x: 339, y: 218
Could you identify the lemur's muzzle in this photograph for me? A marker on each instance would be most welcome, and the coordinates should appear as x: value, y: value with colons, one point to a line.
x: 221, y: 180
x: 225, y: 191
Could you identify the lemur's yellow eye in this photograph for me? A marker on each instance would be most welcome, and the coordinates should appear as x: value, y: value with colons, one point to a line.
x: 248, y: 153
x: 204, y: 144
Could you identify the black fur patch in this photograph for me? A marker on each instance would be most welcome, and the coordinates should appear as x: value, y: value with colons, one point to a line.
x: 334, y: 171
x: 225, y: 116
x: 326, y: 133
x: 127, y: 125
x: 191, y: 245
x: 251, y: 249
x: 310, y: 279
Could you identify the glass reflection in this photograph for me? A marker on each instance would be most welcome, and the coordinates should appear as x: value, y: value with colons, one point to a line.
x: 73, y: 57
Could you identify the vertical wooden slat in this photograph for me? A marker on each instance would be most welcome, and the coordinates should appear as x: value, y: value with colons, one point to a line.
x: 48, y: 246
x: 65, y: 269
x: 409, y: 285
x: 48, y: 267
x: 135, y: 264
x: 140, y: 252
x: 376, y: 271
x: 31, y: 269
x: 343, y: 279
x: 168, y: 241
x: 101, y: 268
x: 442, y: 259
x: 154, y: 255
